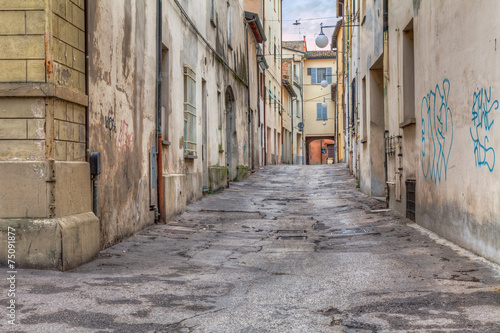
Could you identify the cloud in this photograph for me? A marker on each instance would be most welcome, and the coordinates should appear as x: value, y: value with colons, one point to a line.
x: 311, y: 13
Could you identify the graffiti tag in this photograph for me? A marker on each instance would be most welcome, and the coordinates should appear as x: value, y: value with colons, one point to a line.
x: 125, y: 138
x: 481, y: 109
x: 110, y: 123
x: 437, y: 132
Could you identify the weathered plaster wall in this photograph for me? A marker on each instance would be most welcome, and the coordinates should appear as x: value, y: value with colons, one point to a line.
x: 220, y: 72
x: 370, y: 68
x: 456, y: 93
x: 400, y: 104
x: 122, y: 112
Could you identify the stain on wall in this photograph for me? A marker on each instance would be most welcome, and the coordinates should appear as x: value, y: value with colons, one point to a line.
x: 122, y: 113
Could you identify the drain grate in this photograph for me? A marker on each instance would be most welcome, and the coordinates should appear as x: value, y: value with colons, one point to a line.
x: 291, y: 237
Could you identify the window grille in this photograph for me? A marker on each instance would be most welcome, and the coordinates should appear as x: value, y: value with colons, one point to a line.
x: 189, y: 112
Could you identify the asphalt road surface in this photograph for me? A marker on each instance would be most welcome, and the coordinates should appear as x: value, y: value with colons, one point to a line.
x: 291, y: 249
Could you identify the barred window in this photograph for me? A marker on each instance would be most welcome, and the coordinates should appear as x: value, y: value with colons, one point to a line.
x: 189, y: 112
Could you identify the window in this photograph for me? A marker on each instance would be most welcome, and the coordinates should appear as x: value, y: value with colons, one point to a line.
x: 275, y: 99
x: 363, y: 107
x: 228, y: 24
x: 321, y: 112
x: 219, y: 108
x: 320, y: 74
x: 309, y: 71
x: 274, y: 48
x: 297, y: 107
x: 270, y: 92
x: 165, y: 96
x: 212, y: 12
x: 189, y: 112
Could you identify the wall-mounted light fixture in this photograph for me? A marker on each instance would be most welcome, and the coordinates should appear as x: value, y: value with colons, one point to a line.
x: 322, y: 40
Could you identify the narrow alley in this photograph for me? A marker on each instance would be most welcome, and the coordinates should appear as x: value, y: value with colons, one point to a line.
x: 290, y: 249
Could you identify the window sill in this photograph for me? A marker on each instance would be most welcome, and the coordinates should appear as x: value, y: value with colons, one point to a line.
x: 190, y: 157
x: 364, y: 141
x: 165, y: 143
x: 407, y: 122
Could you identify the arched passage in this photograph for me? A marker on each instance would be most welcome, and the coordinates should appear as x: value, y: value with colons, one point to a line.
x: 314, y: 147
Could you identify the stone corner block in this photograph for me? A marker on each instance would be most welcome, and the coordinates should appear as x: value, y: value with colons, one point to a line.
x: 80, y: 237
x: 56, y: 244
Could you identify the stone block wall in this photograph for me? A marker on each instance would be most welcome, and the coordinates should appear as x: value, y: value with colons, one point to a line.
x: 42, y: 80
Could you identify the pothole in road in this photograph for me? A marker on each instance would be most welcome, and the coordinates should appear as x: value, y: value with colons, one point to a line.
x: 320, y: 194
x: 352, y: 232
x: 349, y: 232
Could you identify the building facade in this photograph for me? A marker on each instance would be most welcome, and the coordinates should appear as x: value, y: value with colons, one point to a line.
x: 319, y: 107
x: 294, y: 55
x: 427, y: 141
x: 166, y: 92
x: 46, y: 183
x: 272, y: 82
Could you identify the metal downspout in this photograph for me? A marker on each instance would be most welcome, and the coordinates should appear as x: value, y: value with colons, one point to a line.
x: 386, y: 105
x: 264, y: 160
x: 248, y: 93
x: 159, y: 172
x: 303, y: 142
x: 87, y: 117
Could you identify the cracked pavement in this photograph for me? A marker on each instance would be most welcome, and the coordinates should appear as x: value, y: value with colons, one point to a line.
x: 290, y: 249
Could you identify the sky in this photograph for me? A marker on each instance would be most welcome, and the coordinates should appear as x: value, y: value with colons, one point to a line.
x: 310, y: 13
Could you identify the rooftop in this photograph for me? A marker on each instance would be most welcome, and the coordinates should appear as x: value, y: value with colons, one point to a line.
x: 321, y: 54
x: 295, y: 45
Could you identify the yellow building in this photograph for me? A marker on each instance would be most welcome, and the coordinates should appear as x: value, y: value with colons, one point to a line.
x: 319, y: 107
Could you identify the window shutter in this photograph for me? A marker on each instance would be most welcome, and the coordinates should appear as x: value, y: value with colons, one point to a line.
x: 329, y: 75
x: 313, y: 76
x: 318, y: 111
x: 325, y: 114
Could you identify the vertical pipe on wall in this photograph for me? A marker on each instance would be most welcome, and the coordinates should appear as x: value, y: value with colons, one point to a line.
x: 386, y: 82
x: 87, y: 118
x: 249, y: 106
x: 159, y: 178
x: 264, y: 144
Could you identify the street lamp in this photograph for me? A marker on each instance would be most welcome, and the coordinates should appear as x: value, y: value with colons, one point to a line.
x: 322, y: 40
x: 324, y: 103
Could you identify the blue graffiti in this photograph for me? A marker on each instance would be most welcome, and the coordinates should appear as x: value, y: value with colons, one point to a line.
x: 437, y: 132
x: 481, y: 109
x: 245, y: 147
